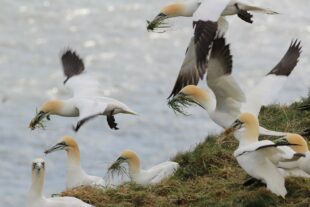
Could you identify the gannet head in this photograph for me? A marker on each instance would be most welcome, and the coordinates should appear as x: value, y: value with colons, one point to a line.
x: 38, y: 165
x: 131, y: 158
x: 174, y: 10
x: 191, y: 94
x: 67, y: 143
x: 248, y: 121
x: 48, y: 108
x: 299, y: 144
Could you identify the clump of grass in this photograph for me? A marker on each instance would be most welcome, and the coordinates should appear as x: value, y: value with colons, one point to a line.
x: 38, y: 122
x: 210, y: 176
x: 179, y: 103
x: 117, y: 169
x: 157, y: 24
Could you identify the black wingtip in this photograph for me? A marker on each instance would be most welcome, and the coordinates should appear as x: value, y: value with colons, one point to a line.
x: 289, y: 60
x: 72, y: 63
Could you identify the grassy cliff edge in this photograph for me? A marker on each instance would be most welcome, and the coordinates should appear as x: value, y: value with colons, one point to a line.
x: 210, y: 176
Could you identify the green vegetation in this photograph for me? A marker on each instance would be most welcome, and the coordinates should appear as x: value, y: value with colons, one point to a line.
x: 210, y: 176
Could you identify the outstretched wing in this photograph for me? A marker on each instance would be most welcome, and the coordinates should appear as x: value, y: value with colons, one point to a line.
x: 271, y: 84
x: 227, y: 92
x: 72, y: 64
x: 189, y: 73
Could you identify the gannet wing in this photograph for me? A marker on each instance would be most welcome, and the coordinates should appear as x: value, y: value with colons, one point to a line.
x: 189, y: 73
x: 226, y: 90
x: 271, y: 84
x: 72, y: 64
x: 205, y: 22
x: 162, y: 171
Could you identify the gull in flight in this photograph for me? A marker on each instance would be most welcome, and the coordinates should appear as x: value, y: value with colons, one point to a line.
x: 76, y: 176
x: 207, y: 19
x: 86, y: 102
x: 230, y: 101
x: 145, y: 177
x: 300, y: 146
x: 36, y: 197
x: 260, y: 158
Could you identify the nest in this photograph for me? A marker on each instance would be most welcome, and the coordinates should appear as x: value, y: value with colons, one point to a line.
x: 178, y: 104
x: 38, y: 121
x: 157, y: 24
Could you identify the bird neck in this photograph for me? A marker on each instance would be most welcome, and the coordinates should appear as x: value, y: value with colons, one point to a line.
x: 61, y: 107
x: 134, y: 166
x: 36, y: 190
x: 249, y: 135
x: 74, y: 159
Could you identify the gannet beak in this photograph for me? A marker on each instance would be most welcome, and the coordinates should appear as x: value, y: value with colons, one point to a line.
x: 156, y: 21
x: 37, y: 119
x: 57, y: 147
x: 234, y: 127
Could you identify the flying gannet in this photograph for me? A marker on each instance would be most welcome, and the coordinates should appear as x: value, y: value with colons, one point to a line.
x: 86, y: 102
x: 230, y: 100
x: 300, y: 146
x: 259, y: 158
x: 207, y: 19
x: 76, y: 176
x: 36, y: 197
x: 146, y: 177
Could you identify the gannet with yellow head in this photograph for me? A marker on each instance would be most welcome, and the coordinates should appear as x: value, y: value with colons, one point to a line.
x: 146, y: 177
x: 76, y: 176
x: 207, y: 20
x: 258, y: 158
x: 229, y: 100
x: 86, y: 103
x: 300, y: 146
x: 36, y: 197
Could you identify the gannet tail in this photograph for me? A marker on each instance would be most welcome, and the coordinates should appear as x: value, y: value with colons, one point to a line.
x: 268, y: 132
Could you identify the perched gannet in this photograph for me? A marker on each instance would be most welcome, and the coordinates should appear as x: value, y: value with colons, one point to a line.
x: 300, y: 147
x: 36, y: 197
x: 259, y: 158
x: 230, y: 100
x: 76, y: 176
x: 207, y: 19
x: 86, y: 102
x: 145, y: 177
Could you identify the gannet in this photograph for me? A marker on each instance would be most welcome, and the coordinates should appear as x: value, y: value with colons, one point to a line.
x: 145, y: 177
x: 76, y: 176
x: 259, y: 158
x: 207, y: 19
x: 230, y: 100
x: 36, y: 197
x: 86, y: 102
x: 187, y: 9
x: 301, y: 147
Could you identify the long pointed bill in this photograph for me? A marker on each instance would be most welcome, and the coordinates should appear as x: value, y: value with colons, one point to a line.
x: 234, y: 127
x: 157, y: 22
x: 57, y: 147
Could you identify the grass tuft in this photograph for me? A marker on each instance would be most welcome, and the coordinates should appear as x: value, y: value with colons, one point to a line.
x: 210, y: 176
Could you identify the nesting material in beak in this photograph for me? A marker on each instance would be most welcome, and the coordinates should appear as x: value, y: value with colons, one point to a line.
x: 117, y: 168
x: 234, y: 127
x: 57, y: 147
x: 38, y: 120
x: 158, y: 23
x: 179, y: 102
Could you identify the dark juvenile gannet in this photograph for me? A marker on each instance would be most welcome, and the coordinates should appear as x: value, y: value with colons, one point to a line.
x: 36, y: 197
x: 146, y: 177
x: 230, y: 101
x: 86, y: 102
x: 207, y: 19
x: 260, y: 158
x: 76, y: 176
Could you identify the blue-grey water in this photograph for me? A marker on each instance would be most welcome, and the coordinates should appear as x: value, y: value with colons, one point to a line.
x: 134, y: 66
